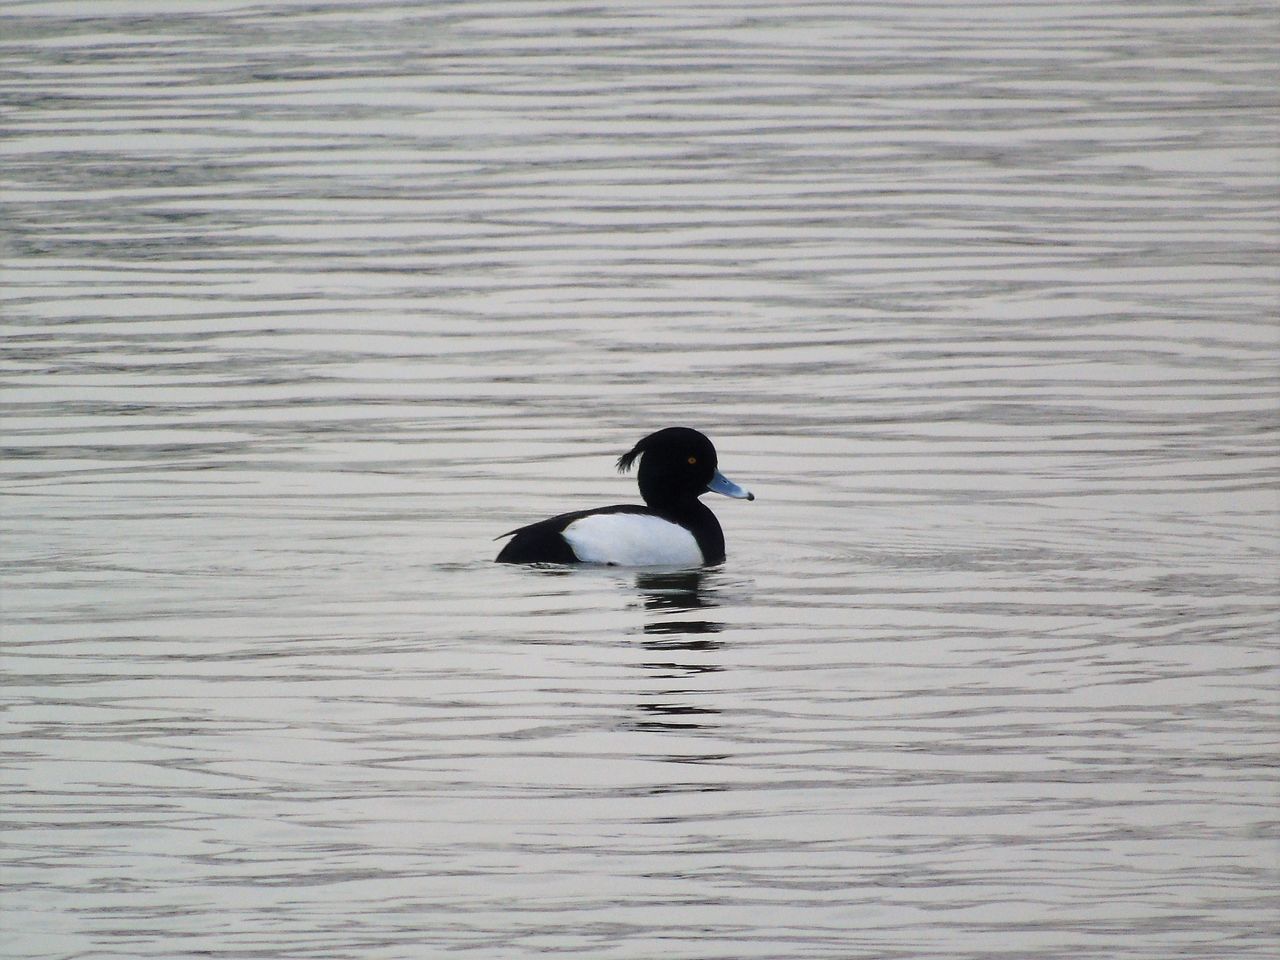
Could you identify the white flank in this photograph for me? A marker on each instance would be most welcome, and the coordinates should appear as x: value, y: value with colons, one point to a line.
x: 632, y: 540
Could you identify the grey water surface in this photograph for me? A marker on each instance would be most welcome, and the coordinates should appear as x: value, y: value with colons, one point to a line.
x: 305, y: 303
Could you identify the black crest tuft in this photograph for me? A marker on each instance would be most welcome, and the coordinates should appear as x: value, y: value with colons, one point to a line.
x: 627, y: 459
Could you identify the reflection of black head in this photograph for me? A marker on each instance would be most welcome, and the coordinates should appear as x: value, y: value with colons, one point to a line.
x: 677, y: 590
x: 658, y: 632
x: 676, y: 716
x: 664, y: 634
x: 680, y: 590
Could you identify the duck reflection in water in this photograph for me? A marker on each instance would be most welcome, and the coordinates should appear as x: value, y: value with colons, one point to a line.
x: 682, y: 590
x: 666, y: 594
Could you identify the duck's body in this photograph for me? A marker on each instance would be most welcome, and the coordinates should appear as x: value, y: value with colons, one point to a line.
x: 626, y: 535
x: 673, y: 528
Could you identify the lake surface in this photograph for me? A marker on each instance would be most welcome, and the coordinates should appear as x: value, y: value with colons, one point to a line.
x: 305, y: 303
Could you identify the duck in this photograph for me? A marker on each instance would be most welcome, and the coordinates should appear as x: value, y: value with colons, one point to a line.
x: 673, y: 527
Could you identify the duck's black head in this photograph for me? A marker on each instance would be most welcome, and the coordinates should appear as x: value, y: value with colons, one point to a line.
x: 678, y: 465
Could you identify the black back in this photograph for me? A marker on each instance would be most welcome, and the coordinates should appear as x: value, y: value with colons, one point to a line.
x: 541, y: 542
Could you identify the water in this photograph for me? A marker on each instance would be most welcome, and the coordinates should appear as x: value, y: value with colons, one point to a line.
x: 305, y: 303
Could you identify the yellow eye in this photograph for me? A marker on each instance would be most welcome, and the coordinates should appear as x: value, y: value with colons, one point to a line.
x: 693, y: 459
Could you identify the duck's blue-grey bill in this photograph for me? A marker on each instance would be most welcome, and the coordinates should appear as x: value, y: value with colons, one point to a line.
x: 723, y: 485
